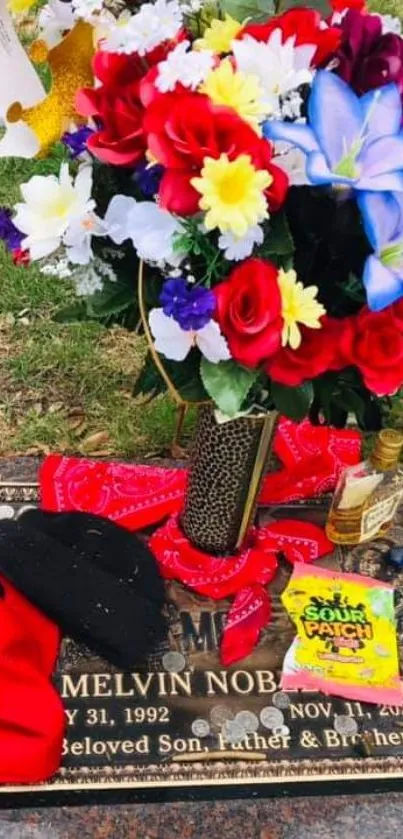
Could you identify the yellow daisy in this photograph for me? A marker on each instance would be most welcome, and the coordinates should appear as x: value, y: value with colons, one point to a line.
x: 18, y: 7
x: 299, y: 305
x: 232, y: 194
x: 240, y: 91
x: 218, y: 36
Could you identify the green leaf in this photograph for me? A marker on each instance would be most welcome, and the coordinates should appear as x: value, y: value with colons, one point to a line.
x: 292, y: 402
x: 70, y: 314
x: 227, y: 383
x: 113, y: 299
x: 255, y: 10
x: 278, y: 240
x: 184, y: 375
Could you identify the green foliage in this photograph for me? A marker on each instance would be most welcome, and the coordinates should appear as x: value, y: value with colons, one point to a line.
x: 339, y: 394
x: 184, y: 375
x: 227, y: 383
x: 278, y: 244
x: 256, y: 10
x: 292, y: 402
x: 207, y: 260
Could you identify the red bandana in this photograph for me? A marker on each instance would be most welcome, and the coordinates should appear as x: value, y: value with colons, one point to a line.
x: 243, y: 575
x: 139, y: 496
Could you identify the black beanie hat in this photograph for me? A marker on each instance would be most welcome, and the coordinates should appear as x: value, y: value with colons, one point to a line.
x: 98, y: 582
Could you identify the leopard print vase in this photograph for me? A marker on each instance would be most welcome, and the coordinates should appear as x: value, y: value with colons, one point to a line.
x: 227, y: 466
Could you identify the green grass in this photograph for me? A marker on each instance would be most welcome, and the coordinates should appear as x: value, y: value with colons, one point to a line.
x: 68, y: 387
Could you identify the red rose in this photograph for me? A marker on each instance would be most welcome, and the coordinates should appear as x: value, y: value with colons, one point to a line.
x: 249, y: 311
x: 341, y: 5
x: 305, y: 26
x: 116, y: 105
x: 374, y: 344
x: 183, y: 129
x: 317, y: 353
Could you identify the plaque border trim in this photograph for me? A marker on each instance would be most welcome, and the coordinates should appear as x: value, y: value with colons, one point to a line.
x: 287, y: 773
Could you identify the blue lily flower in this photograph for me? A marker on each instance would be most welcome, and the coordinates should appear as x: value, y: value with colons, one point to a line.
x: 350, y: 141
x: 382, y: 215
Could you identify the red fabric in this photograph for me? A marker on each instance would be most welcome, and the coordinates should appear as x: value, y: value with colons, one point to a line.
x: 296, y: 540
x: 138, y: 496
x: 31, y: 712
x: 313, y: 458
x: 249, y: 614
x: 132, y: 496
x: 215, y: 577
x: 242, y: 575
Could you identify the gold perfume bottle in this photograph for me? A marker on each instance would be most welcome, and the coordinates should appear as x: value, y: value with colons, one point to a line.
x: 368, y: 495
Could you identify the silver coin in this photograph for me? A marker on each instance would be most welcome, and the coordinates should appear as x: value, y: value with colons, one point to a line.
x: 281, y: 731
x: 248, y: 720
x: 271, y: 717
x: 220, y: 714
x: 345, y: 725
x: 281, y: 700
x: 233, y: 731
x: 200, y: 728
x: 6, y: 511
x: 173, y: 662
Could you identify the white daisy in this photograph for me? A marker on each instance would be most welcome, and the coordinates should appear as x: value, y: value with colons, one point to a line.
x: 188, y: 68
x: 237, y: 249
x: 149, y: 27
x: 54, y: 20
x: 280, y: 67
x: 85, y: 9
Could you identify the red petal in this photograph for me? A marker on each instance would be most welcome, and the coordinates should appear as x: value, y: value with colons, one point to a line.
x: 249, y: 614
x: 176, y: 193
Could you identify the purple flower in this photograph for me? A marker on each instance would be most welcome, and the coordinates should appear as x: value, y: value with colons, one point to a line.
x: 366, y: 58
x: 9, y: 233
x: 192, y: 308
x: 148, y: 178
x: 351, y: 141
x: 76, y: 141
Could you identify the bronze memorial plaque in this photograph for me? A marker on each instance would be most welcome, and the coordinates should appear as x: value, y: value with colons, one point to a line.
x: 169, y: 731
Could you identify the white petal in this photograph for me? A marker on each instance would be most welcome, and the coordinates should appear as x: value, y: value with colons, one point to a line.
x: 80, y: 253
x: 19, y: 141
x: 212, y: 344
x: 83, y: 182
x: 170, y: 340
x: 117, y: 218
x: 39, y: 249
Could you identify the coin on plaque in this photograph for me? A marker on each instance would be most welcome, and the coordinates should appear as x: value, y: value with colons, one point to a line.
x: 271, y: 717
x: 200, y: 728
x: 6, y: 511
x: 345, y: 725
x: 281, y: 700
x: 248, y: 720
x: 173, y: 662
x: 233, y: 731
x: 219, y: 715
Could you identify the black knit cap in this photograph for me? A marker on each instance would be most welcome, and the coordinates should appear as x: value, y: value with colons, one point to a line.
x: 97, y: 581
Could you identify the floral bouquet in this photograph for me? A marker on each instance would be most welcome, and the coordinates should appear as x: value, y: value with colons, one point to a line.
x: 234, y: 180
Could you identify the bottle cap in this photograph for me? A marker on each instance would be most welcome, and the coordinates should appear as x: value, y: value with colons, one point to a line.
x: 387, y: 448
